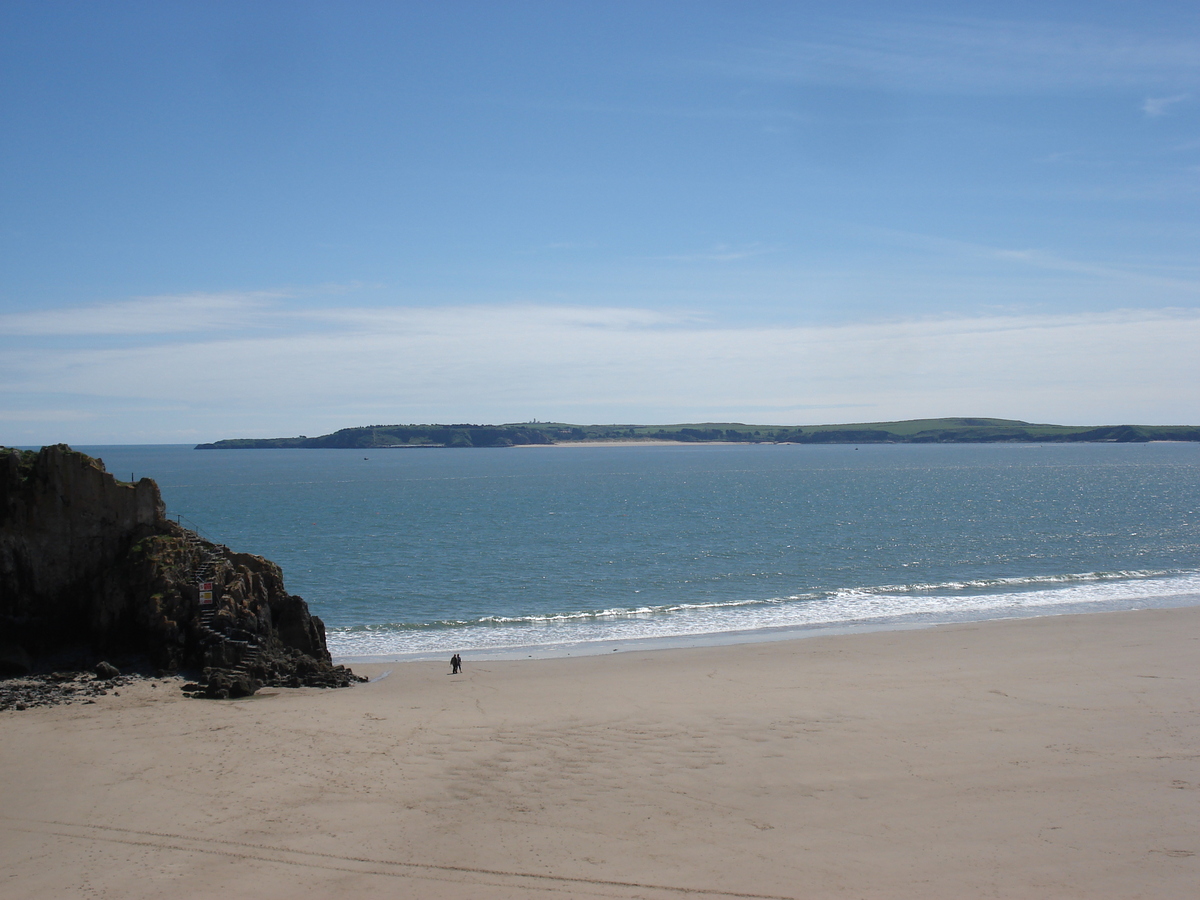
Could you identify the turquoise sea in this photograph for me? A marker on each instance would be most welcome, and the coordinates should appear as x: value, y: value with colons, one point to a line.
x: 555, y: 550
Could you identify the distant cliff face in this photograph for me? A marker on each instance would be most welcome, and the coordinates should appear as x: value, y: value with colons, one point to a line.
x: 86, y: 560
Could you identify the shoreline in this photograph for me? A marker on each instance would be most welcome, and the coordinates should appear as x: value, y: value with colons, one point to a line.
x: 1050, y: 756
x: 601, y: 647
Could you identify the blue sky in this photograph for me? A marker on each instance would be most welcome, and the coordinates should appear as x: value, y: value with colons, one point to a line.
x: 258, y: 219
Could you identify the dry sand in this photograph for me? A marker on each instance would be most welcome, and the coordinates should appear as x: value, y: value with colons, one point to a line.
x: 1054, y: 757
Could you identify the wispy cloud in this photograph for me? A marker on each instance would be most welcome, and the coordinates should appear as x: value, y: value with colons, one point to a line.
x: 1158, y: 106
x: 559, y: 247
x: 186, y: 313
x: 510, y: 363
x: 1044, y: 260
x: 722, y: 253
x: 413, y: 321
x: 966, y: 55
x: 52, y: 416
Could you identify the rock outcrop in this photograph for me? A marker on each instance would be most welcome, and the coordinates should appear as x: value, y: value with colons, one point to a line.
x: 90, y: 562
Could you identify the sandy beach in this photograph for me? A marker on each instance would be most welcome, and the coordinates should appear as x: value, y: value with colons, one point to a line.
x: 1051, y: 757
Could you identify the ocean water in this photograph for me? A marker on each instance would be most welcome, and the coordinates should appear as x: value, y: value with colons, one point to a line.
x: 536, y: 551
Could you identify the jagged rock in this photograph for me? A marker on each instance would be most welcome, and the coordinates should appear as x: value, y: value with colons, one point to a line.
x: 224, y: 685
x: 105, y: 670
x: 89, y: 560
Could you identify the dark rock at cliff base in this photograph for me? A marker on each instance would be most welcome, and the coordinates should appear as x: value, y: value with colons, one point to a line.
x: 32, y: 691
x: 14, y: 660
x: 89, y: 561
x: 104, y: 669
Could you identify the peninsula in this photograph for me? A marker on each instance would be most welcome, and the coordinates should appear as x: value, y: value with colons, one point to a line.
x: 911, y: 431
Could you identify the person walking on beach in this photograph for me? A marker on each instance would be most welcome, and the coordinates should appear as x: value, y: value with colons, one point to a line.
x: 455, y: 664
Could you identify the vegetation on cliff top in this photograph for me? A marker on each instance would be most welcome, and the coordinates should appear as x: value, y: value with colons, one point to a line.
x: 912, y: 431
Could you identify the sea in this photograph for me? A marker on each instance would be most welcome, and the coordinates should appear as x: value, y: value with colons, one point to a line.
x: 554, y: 551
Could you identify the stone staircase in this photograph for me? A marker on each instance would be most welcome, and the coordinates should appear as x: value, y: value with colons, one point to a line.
x: 245, y: 649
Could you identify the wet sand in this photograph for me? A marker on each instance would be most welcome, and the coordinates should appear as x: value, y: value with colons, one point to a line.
x: 1052, y: 757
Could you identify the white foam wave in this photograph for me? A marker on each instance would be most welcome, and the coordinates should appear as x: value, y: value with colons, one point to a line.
x: 946, y: 601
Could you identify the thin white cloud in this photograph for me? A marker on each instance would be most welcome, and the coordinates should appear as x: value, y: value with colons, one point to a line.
x: 977, y: 55
x: 53, y: 416
x: 186, y: 313
x: 1037, y: 259
x: 722, y: 253
x: 510, y: 363
x: 200, y: 315
x: 413, y: 321
x: 1154, y: 107
x: 1040, y: 259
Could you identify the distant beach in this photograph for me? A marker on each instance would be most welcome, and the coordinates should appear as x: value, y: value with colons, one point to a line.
x: 1050, y: 757
x: 618, y: 443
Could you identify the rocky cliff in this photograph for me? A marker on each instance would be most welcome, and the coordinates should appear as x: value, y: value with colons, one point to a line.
x: 92, y: 563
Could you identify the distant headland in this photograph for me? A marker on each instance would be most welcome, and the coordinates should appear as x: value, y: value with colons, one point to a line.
x: 911, y: 431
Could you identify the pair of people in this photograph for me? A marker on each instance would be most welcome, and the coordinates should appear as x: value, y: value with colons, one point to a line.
x: 455, y: 664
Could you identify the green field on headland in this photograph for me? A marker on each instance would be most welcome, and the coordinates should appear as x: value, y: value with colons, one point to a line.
x: 912, y: 431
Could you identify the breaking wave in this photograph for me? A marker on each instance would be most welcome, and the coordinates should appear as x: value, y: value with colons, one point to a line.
x: 947, y: 601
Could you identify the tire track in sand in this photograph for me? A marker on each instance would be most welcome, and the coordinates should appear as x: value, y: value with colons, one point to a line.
x: 361, y: 865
